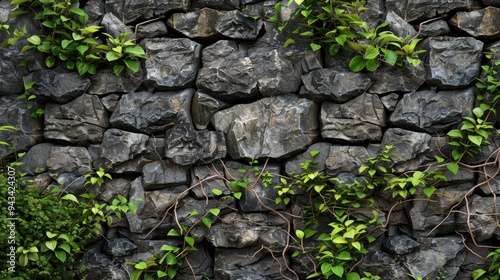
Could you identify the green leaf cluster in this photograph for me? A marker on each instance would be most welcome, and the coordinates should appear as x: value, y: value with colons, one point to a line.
x: 336, y: 25
x: 67, y: 39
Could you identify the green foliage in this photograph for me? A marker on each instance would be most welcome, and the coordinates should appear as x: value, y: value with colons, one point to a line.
x: 29, y: 99
x: 336, y: 25
x: 67, y: 39
x: 493, y: 272
x: 97, y: 178
x: 6, y: 128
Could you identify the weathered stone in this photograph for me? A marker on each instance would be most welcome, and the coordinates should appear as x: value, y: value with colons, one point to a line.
x: 489, y: 175
x: 434, y: 254
x: 452, y: 62
x: 411, y: 149
x: 333, y: 85
x: 249, y: 263
x: 345, y: 159
x: 188, y: 205
x: 236, y: 25
x: 13, y: 112
x: 495, y: 3
x: 112, y: 188
x: 119, y: 247
x: 390, y: 79
x: 171, y: 63
x: 110, y: 101
x: 422, y: 9
x: 57, y: 85
x: 95, y: 9
x: 196, y: 24
x: 399, y: 26
x: 114, y: 26
x: 477, y: 218
x: 219, y: 4
x: 155, y: 147
x: 119, y: 146
x: 227, y: 73
x: 161, y: 174
x: 158, y: 201
x: 106, y: 81
x: 199, y: 262
x: 68, y: 165
x: 375, y: 9
x: 35, y: 160
x: 434, y: 29
x: 186, y: 146
x: 433, y: 112
x: 401, y: 245
x: 242, y: 231
x: 207, y: 178
x: 79, y: 121
x: 293, y: 165
x: 478, y: 23
x: 131, y: 167
x: 358, y: 120
x: 253, y: 129
x: 130, y: 10
x: 99, y: 266
x: 138, y: 111
x: 203, y: 107
x: 153, y: 29
x: 390, y: 101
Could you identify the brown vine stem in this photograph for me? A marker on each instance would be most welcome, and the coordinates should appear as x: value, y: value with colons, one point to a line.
x: 424, y: 22
x: 142, y: 23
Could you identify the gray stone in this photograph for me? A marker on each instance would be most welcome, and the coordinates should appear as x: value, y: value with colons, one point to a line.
x: 131, y: 10
x: 219, y: 4
x: 119, y: 146
x: 155, y: 147
x: 79, y: 121
x: 119, y: 247
x: 57, y: 85
x: 114, y: 26
x: 68, y: 165
x: 375, y: 9
x: 423, y: 9
x: 95, y: 9
x: 186, y: 146
x: 112, y: 188
x: 435, y: 28
x: 434, y: 254
x: 35, y: 160
x: 203, y: 107
x: 401, y: 245
x: 495, y: 3
x: 132, y: 167
x: 433, y: 112
x: 161, y: 174
x: 40, y: 181
x: 138, y: 111
x: 478, y: 23
x: 13, y: 112
x: 358, y: 120
x: 106, y: 81
x: 333, y: 85
x: 253, y: 129
x: 293, y: 165
x: 227, y: 73
x: 99, y: 266
x: 171, y: 63
x: 207, y: 178
x: 489, y: 174
x: 110, y: 101
x: 452, y: 62
x: 153, y: 29
x: 249, y: 264
x: 196, y: 24
x: 345, y: 159
x: 390, y: 101
x: 399, y: 26
x: 158, y: 201
x: 236, y: 25
x: 198, y: 265
x: 478, y: 217
x: 389, y: 79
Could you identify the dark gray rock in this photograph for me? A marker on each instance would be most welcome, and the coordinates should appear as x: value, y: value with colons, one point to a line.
x: 138, y: 111
x: 106, y: 81
x: 389, y: 79
x: 119, y: 146
x: 186, y: 146
x: 156, y: 146
x: 489, y: 175
x: 399, y: 26
x: 452, y: 62
x: 35, y: 160
x: 219, y: 4
x: 375, y: 9
x: 293, y: 165
x: 40, y: 181
x: 158, y: 201
x: 495, y: 3
x: 333, y: 85
x: 236, y: 25
x: 249, y: 264
x: 433, y: 29
x: 204, y: 182
x: 131, y: 10
x: 161, y: 174
x: 203, y: 107
x: 57, y: 85
x: 14, y: 112
x: 478, y: 23
x: 345, y: 159
x: 153, y: 29
x: 114, y: 26
x: 100, y: 266
x: 199, y: 262
x: 132, y: 167
x: 176, y: 72
x: 95, y: 9
x: 110, y: 101
x: 112, y: 188
x: 390, y: 101
x: 227, y: 73
x: 358, y: 120
x: 423, y: 9
x: 481, y: 221
x: 253, y: 129
x: 433, y: 112
x: 79, y: 121
x: 68, y: 165
x: 196, y: 24
x: 401, y: 245
x: 118, y: 247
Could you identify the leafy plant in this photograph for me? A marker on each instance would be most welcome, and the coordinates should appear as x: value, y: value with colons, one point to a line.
x: 67, y: 38
x: 493, y: 272
x: 337, y: 25
x: 30, y: 98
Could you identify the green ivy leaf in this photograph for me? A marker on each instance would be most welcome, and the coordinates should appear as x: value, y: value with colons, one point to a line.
x: 35, y: 40
x: 357, y: 63
x: 141, y: 265
x: 315, y: 47
x: 453, y: 167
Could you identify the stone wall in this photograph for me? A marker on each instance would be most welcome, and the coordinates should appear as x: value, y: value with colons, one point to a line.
x: 218, y: 89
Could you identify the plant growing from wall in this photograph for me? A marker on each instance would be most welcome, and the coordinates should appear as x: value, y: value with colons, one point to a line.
x: 67, y: 39
x: 336, y: 25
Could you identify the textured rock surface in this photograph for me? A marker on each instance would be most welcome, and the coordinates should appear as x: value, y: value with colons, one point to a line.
x: 268, y: 119
x: 57, y: 86
x: 480, y: 23
x: 422, y: 9
x: 118, y: 146
x: 131, y: 10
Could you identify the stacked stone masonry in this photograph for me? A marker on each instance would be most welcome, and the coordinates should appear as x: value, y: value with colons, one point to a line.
x: 218, y: 89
